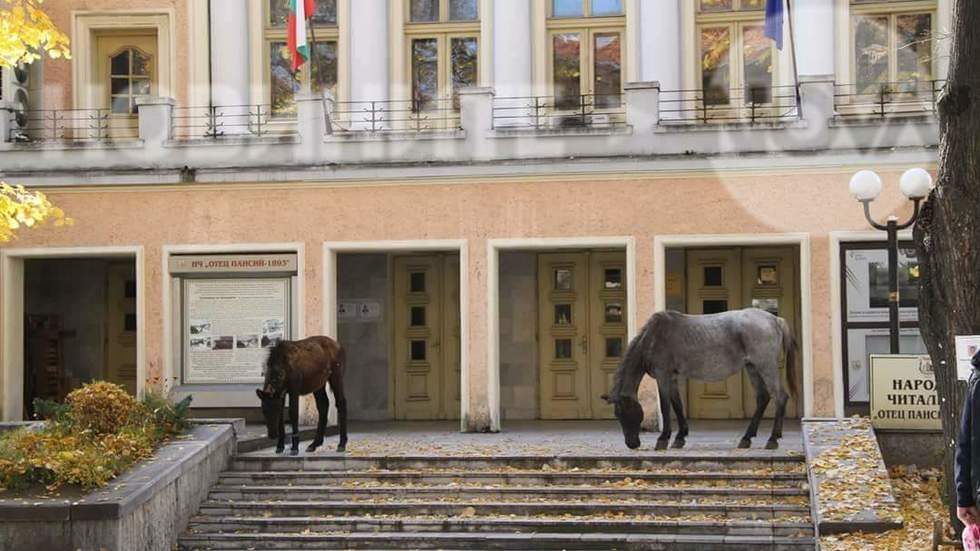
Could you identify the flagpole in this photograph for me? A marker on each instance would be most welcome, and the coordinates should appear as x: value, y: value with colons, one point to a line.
x: 309, y: 23
x: 792, y: 48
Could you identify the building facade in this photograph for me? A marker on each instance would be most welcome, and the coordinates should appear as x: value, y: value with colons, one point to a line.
x: 482, y: 199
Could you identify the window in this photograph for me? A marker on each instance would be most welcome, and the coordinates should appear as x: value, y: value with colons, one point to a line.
x: 318, y: 74
x: 443, y: 48
x: 864, y: 313
x: 585, y: 38
x: 891, y: 42
x: 129, y: 76
x: 733, y: 53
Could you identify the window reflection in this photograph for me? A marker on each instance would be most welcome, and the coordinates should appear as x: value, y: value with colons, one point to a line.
x: 567, y: 8
x: 425, y: 76
x: 463, y: 10
x: 607, y: 71
x: 715, y: 64
x: 567, y: 69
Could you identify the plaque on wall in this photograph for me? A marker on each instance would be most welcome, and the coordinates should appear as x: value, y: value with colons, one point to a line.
x: 229, y: 326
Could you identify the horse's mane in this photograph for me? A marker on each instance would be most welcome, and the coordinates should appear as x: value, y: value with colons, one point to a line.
x: 626, y: 380
x: 275, y: 367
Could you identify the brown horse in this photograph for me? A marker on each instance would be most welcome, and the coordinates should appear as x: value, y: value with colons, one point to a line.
x: 299, y: 368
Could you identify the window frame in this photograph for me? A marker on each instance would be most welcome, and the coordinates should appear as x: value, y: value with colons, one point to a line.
x: 858, y: 407
x: 892, y: 11
x: 588, y: 27
x: 737, y: 20
x: 586, y: 12
x: 271, y: 34
x: 443, y: 15
x: 443, y: 31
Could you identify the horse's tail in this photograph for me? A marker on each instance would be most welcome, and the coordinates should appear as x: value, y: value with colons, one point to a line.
x: 789, y: 348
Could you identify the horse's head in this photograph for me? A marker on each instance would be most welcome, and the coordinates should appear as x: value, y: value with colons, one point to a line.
x: 273, y: 393
x: 272, y: 407
x: 630, y: 415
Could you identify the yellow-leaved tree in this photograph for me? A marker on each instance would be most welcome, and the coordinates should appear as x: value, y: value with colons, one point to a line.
x: 26, y: 33
x: 20, y: 207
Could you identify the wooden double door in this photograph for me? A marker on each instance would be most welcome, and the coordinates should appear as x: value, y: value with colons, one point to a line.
x: 426, y: 367
x: 581, y: 331
x: 728, y: 279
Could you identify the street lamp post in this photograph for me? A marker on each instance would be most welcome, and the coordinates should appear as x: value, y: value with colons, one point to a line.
x: 865, y: 186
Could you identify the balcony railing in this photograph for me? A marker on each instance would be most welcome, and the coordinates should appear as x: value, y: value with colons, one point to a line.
x: 726, y: 106
x: 394, y: 116
x: 227, y: 120
x: 559, y: 113
x: 887, y: 99
x: 71, y: 125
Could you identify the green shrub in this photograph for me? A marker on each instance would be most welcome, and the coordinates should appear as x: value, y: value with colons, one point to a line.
x: 51, y: 410
x: 101, y: 407
x: 100, y: 432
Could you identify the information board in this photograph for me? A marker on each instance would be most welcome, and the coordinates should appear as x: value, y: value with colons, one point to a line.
x: 229, y: 325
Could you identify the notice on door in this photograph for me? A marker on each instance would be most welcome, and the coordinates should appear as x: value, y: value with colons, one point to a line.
x: 229, y: 325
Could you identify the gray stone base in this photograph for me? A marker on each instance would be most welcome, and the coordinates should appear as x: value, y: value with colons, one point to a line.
x: 143, y: 509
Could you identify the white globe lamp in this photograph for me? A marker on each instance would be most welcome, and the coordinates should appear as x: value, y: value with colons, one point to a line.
x: 916, y: 183
x: 865, y: 185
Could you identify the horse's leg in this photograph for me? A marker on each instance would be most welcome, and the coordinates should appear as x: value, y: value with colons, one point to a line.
x: 761, y: 401
x: 675, y: 400
x: 663, y: 390
x: 281, y: 442
x: 781, y: 398
x: 322, y: 409
x: 337, y: 385
x: 294, y: 421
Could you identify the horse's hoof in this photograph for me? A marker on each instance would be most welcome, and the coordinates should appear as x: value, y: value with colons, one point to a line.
x: 678, y: 443
x: 772, y: 445
x: 280, y: 449
x: 311, y: 448
x: 294, y: 451
x: 745, y: 443
x: 661, y: 445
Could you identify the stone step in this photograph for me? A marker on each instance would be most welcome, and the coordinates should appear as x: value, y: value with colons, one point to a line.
x: 743, y: 478
x: 242, y: 525
x: 541, y: 541
x: 686, y: 462
x: 463, y: 508
x: 224, y: 492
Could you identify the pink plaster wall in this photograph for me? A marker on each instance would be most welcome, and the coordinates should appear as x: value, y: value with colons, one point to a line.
x: 746, y: 203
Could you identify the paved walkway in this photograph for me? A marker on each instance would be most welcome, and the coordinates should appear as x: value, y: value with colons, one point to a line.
x: 599, y: 438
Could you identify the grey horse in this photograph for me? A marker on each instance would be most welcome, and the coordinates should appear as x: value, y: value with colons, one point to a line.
x: 710, y: 348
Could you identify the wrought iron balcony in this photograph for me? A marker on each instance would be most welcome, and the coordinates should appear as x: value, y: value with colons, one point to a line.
x: 751, y: 104
x: 70, y: 126
x: 561, y: 113
x: 393, y: 116
x: 884, y: 100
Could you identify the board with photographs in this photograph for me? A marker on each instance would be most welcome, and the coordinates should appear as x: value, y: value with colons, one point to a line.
x: 229, y: 326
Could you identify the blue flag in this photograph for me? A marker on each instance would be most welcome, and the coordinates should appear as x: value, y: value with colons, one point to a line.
x: 774, y: 21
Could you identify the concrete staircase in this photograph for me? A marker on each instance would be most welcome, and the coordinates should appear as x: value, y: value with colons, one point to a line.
x: 733, y: 501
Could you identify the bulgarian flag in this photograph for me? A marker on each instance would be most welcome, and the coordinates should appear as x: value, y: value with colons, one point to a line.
x: 299, y: 10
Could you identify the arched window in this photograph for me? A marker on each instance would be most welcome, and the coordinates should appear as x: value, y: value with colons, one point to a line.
x: 130, y: 75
